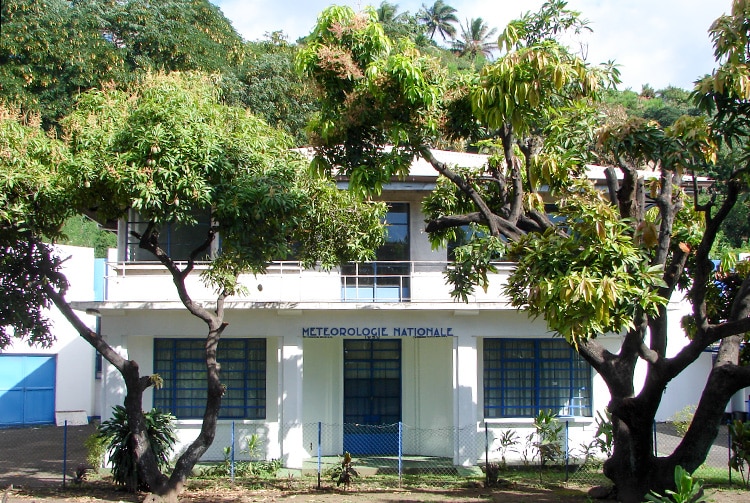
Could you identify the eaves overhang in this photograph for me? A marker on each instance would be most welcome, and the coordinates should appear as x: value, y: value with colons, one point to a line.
x: 114, y: 308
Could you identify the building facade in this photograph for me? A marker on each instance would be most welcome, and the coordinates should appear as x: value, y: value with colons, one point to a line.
x: 361, y: 350
x: 59, y: 383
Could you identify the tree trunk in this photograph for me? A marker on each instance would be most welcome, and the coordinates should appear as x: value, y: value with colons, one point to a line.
x: 145, y: 461
x: 188, y: 459
x: 633, y: 466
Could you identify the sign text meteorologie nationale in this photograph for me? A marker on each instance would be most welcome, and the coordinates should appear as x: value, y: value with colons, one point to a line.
x: 376, y: 332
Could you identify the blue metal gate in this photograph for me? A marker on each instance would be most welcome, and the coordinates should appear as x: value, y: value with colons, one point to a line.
x: 27, y: 390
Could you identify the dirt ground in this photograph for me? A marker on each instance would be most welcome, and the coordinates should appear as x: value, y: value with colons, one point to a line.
x: 103, y: 492
x: 309, y: 495
x: 31, y: 461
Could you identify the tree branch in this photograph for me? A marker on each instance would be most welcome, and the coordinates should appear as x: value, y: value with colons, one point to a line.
x: 465, y: 187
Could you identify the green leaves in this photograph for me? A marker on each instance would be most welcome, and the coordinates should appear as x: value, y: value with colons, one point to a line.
x: 472, y: 263
x: 374, y: 94
x: 170, y: 150
x: 588, y: 281
x: 521, y: 88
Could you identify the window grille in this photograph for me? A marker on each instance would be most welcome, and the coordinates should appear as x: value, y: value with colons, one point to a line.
x: 525, y: 376
x: 182, y: 365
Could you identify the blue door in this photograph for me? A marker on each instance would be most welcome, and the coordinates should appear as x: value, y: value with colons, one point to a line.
x: 27, y: 390
x: 372, y: 396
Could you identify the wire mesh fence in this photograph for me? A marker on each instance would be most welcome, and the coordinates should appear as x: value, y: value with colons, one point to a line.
x: 400, y: 454
x: 411, y: 455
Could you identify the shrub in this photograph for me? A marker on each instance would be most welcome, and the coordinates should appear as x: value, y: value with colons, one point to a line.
x: 118, y: 438
x: 682, y: 419
x: 96, y: 449
x: 688, y: 490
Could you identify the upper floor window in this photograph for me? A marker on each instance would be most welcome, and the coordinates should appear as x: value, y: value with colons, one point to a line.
x: 525, y: 376
x: 178, y: 240
x: 387, y: 278
x: 182, y: 365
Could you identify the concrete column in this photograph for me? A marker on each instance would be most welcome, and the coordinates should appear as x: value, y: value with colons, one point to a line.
x: 290, y: 396
x: 468, y: 442
x: 112, y: 384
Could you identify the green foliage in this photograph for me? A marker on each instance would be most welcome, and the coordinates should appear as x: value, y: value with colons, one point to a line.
x: 268, y: 85
x: 118, y: 437
x: 604, y: 437
x: 245, y: 469
x: 476, y: 40
x: 507, y: 443
x: 32, y: 205
x: 549, y: 438
x: 50, y: 50
x: 588, y: 281
x: 739, y: 459
x: 727, y: 91
x: 31, y: 198
x: 439, y: 18
x: 170, y: 149
x: 96, y: 450
x: 682, y: 419
x: 665, y: 107
x: 523, y: 87
x: 688, y: 490
x: 374, y: 95
x: 472, y: 264
x: 80, y: 230
x: 173, y: 35
x: 552, y: 19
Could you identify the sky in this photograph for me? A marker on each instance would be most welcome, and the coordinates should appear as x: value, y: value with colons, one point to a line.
x: 654, y: 42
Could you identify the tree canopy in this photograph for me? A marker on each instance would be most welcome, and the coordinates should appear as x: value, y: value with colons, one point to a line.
x: 592, y: 260
x: 168, y: 148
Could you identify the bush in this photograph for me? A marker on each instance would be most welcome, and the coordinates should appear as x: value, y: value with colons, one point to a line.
x: 682, y: 419
x: 118, y: 438
x: 96, y: 449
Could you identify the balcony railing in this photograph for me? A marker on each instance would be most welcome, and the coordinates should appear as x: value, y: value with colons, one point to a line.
x: 287, y: 281
x: 376, y: 282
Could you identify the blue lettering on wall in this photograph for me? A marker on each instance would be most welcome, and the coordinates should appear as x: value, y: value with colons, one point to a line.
x: 376, y: 332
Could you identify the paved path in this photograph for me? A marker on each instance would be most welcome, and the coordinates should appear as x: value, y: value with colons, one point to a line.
x: 33, y: 456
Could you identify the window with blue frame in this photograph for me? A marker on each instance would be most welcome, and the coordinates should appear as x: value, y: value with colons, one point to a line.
x: 182, y: 365
x: 525, y: 376
x: 387, y: 278
x: 178, y: 240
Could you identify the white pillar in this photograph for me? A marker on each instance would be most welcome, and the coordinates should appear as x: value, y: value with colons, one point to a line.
x: 468, y: 443
x: 290, y: 396
x: 113, y: 385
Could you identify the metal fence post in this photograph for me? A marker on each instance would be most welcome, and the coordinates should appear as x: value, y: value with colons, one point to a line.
x: 319, y: 454
x: 729, y: 450
x: 567, y: 445
x: 486, y: 456
x: 231, y: 452
x: 65, y: 451
x: 400, y: 451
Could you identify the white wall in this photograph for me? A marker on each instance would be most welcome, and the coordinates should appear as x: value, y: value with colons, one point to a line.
x: 75, y: 374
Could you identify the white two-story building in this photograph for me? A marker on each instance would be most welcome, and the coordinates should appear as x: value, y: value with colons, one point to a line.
x: 359, y: 351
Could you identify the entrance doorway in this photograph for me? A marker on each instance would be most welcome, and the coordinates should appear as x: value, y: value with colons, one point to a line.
x: 372, y: 396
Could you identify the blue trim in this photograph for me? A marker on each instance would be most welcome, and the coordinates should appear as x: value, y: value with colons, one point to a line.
x: 182, y: 365
x: 525, y: 376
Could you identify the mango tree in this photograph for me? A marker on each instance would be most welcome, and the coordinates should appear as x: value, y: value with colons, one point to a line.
x: 610, y: 259
x: 168, y: 149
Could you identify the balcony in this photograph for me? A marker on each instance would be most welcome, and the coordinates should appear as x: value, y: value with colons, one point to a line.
x: 287, y: 282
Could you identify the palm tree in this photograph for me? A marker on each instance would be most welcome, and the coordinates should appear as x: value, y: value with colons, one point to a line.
x: 396, y: 24
x: 475, y: 39
x: 387, y: 13
x: 439, y: 18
